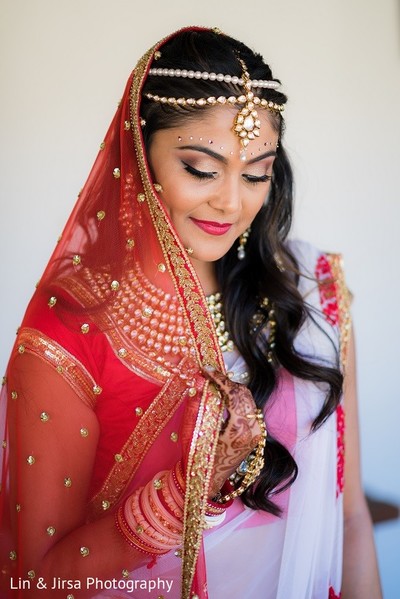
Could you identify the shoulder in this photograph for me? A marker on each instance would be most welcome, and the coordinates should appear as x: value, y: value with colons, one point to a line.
x: 323, y: 287
x: 317, y: 268
x: 305, y: 253
x: 66, y: 341
x: 310, y: 257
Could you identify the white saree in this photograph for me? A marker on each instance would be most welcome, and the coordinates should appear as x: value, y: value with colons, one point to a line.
x: 255, y: 555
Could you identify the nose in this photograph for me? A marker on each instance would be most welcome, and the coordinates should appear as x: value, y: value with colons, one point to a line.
x: 228, y: 197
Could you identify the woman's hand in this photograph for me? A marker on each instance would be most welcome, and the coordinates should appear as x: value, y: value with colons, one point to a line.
x: 240, y: 431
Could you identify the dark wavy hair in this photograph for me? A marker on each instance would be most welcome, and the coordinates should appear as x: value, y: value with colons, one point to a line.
x: 244, y: 282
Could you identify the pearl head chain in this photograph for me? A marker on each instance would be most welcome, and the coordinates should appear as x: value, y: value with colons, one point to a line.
x: 213, y: 77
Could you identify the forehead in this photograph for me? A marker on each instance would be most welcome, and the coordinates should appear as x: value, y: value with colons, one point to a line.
x: 216, y: 125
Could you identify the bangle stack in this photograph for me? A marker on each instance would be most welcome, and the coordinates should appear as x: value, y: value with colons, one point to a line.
x: 150, y: 520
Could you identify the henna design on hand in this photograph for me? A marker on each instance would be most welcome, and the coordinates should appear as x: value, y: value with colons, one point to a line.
x: 240, y: 433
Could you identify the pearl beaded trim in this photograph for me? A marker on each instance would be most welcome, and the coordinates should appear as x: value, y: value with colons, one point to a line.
x: 213, y: 77
x: 153, y: 319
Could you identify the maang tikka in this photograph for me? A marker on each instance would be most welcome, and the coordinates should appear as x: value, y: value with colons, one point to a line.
x: 246, y: 123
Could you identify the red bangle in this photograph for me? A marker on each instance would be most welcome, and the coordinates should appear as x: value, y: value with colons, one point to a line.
x: 214, y: 505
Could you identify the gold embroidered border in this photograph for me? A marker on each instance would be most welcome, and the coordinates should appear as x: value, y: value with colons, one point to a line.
x: 192, y: 300
x: 184, y: 277
x: 199, y: 469
x: 343, y: 302
x: 65, y: 363
x: 148, y: 428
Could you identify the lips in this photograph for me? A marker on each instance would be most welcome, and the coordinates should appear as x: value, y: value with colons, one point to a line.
x: 211, y: 227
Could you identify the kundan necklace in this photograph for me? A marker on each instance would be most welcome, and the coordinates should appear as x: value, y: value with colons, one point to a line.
x: 214, y: 303
x: 265, y: 316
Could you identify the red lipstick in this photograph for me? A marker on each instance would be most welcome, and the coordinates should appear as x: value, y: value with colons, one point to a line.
x: 211, y: 227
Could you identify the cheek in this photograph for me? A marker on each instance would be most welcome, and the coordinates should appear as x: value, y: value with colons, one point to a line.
x: 255, y: 204
x: 175, y: 200
x: 181, y: 196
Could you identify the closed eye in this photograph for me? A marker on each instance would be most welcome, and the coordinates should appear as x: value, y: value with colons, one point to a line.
x: 198, y: 174
x: 253, y: 179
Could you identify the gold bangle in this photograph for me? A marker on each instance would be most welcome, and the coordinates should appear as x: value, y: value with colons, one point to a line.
x: 255, y: 465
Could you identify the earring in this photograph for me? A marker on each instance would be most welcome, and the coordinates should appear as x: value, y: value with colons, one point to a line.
x: 242, y: 244
x: 279, y: 262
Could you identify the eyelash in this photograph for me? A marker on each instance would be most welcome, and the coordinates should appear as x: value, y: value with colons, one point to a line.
x: 198, y: 174
x: 252, y: 179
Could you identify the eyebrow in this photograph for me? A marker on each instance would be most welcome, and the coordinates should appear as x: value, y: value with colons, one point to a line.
x: 221, y: 158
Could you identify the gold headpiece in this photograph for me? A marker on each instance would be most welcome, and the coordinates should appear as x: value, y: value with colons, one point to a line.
x: 246, y: 123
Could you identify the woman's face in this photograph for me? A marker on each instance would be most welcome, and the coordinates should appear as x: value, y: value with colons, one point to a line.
x: 210, y: 194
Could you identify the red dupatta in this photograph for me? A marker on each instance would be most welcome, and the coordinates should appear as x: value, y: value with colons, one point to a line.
x: 119, y: 227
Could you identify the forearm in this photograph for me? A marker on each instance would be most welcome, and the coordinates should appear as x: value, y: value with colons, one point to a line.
x: 360, y: 569
x: 95, y: 550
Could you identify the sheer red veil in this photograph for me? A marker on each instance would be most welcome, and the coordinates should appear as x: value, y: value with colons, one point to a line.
x: 119, y: 227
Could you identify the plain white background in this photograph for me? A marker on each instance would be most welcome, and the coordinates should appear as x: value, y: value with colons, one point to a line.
x: 64, y: 65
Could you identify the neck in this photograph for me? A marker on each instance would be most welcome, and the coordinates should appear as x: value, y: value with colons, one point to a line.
x: 206, y: 274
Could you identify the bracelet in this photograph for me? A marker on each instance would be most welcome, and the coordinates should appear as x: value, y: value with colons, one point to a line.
x: 212, y: 521
x: 179, y: 478
x: 214, y: 509
x: 130, y: 537
x: 250, y: 469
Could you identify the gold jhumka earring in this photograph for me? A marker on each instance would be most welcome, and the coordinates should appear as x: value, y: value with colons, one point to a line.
x: 241, y: 250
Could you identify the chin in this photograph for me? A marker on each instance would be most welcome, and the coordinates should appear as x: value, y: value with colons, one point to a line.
x: 209, y: 256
